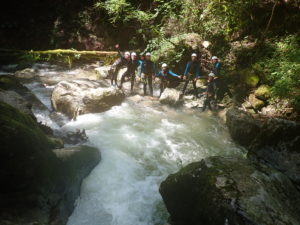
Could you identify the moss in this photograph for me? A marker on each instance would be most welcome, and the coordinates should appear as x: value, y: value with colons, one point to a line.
x: 66, y: 56
x: 263, y: 92
x: 21, y: 131
x: 9, y: 83
x: 251, y: 80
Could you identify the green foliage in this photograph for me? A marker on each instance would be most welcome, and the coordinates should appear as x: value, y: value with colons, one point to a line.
x: 282, y: 69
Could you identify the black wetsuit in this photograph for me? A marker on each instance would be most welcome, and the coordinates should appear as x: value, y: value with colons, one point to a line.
x: 118, y: 64
x: 191, y: 72
x: 210, y: 94
x: 165, y: 79
x: 132, y: 65
x: 221, y: 85
x: 147, y: 70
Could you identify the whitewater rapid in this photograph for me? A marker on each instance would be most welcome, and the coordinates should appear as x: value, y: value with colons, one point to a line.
x: 140, y: 146
x: 141, y: 143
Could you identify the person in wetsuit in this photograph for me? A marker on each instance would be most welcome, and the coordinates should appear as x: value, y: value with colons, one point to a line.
x: 118, y: 64
x: 191, y: 73
x: 165, y: 76
x: 147, y: 71
x: 210, y: 92
x: 131, y: 69
x: 221, y: 85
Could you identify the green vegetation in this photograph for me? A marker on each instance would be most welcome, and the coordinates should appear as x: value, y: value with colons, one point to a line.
x: 65, y: 56
x: 248, y: 35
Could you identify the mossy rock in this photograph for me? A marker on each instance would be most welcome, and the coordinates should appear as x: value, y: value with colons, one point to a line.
x: 263, y: 92
x: 39, y: 185
x: 256, y: 103
x: 252, y: 80
x: 249, y: 78
x: 230, y: 190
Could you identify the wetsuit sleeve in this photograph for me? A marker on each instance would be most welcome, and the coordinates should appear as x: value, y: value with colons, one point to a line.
x: 140, y: 68
x: 186, y: 69
x: 173, y: 74
x: 119, y: 53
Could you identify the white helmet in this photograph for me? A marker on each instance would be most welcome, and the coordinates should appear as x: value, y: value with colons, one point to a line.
x: 127, y: 53
x: 133, y: 54
x: 148, y: 54
x: 211, y: 75
x: 194, y: 55
x: 214, y: 57
x: 164, y: 65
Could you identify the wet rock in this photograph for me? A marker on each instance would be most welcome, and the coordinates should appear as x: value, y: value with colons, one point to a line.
x: 103, y: 71
x: 74, y: 137
x: 27, y: 73
x: 84, y: 96
x: 171, y: 97
x: 269, y: 110
x: 272, y: 141
x: 11, y: 84
x: 256, y: 103
x: 39, y: 185
x: 15, y: 100
x: 247, y: 105
x: 263, y: 92
x: 235, y: 191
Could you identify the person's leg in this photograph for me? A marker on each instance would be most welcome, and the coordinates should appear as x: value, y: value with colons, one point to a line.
x: 132, y: 81
x: 195, y: 88
x: 125, y: 74
x: 185, y: 86
x: 144, y: 79
x: 204, y: 104
x: 112, y: 75
x: 150, y: 84
x: 209, y: 99
x: 161, y: 87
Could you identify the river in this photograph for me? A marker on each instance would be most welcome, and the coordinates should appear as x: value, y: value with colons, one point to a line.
x: 141, y: 142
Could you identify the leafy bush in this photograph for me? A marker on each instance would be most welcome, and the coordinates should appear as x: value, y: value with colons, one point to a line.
x: 282, y: 69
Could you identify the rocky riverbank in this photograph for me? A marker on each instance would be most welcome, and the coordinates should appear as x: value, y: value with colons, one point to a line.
x: 40, y: 178
x: 262, y: 188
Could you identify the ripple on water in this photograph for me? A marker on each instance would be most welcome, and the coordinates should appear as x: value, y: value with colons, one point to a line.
x: 140, y: 146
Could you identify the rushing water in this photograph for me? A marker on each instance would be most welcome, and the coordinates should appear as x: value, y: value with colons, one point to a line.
x: 141, y: 143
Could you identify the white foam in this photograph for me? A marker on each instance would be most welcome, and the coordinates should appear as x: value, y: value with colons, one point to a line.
x: 139, y: 149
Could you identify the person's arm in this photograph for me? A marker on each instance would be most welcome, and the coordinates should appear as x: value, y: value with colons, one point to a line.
x: 140, y: 68
x: 173, y: 74
x: 158, y: 74
x: 186, y: 69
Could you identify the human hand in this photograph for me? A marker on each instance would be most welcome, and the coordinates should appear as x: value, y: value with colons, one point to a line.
x: 184, y: 77
x: 117, y: 46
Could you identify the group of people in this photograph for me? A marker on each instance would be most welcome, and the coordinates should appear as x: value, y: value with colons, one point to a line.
x: 147, y: 72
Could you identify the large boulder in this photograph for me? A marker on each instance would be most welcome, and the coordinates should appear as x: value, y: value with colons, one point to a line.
x: 171, y: 96
x: 274, y: 141
x: 39, y: 184
x: 219, y: 190
x: 84, y: 96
